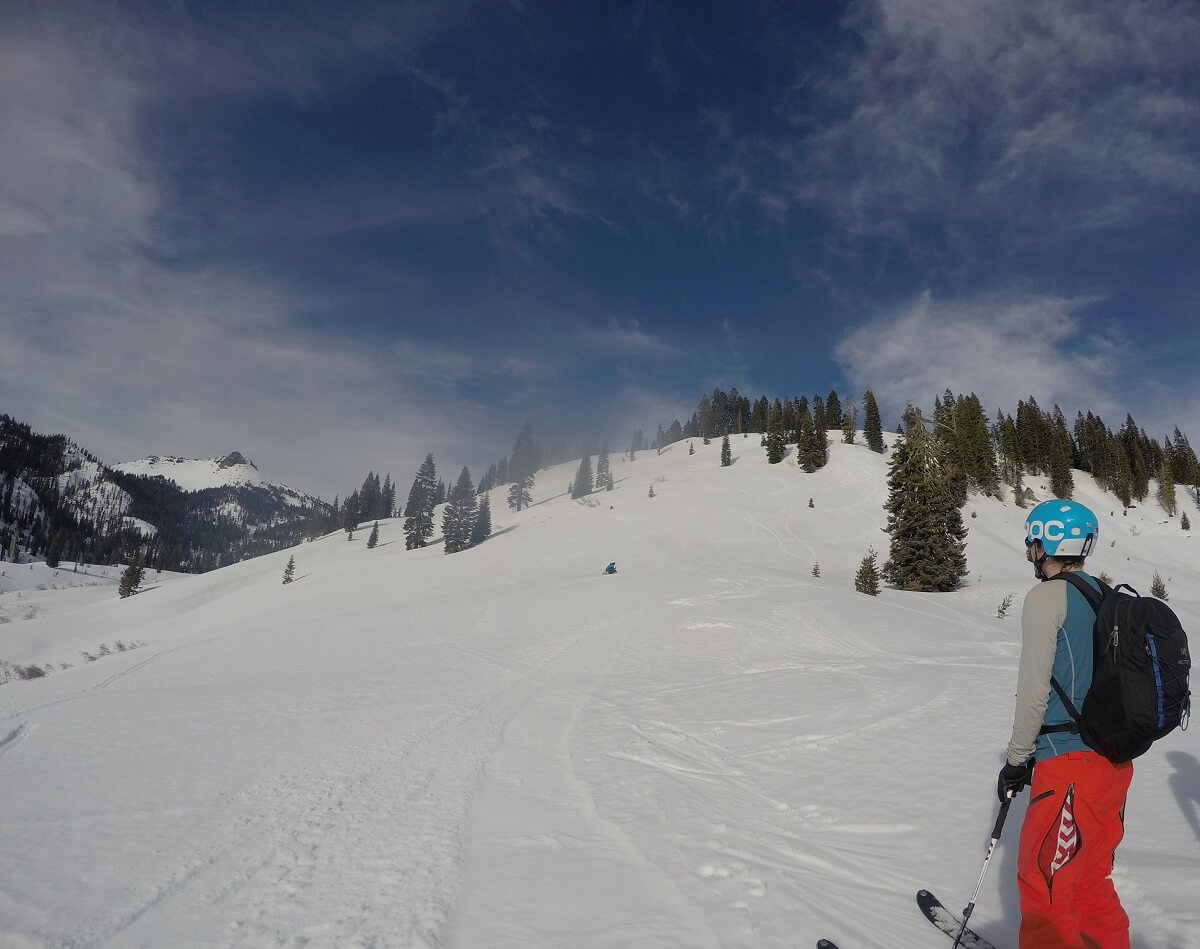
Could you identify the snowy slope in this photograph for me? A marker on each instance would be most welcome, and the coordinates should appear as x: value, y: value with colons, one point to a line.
x: 504, y: 748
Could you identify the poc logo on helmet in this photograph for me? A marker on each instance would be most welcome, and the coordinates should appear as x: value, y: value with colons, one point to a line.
x: 1047, y: 530
x: 1052, y: 532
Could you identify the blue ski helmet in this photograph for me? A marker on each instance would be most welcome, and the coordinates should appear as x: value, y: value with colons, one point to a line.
x: 1065, y: 528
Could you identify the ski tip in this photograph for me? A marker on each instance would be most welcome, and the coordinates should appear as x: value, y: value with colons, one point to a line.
x: 826, y: 944
x: 929, y: 904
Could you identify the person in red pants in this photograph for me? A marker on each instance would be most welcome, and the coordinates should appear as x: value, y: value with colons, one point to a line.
x: 1076, y: 809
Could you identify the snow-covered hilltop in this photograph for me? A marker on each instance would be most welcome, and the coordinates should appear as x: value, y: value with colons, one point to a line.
x: 199, y: 474
x: 723, y: 745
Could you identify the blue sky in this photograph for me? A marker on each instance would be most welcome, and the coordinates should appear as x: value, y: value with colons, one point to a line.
x: 338, y: 236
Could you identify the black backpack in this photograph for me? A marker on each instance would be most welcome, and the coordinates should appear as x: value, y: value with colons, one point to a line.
x: 1140, y: 664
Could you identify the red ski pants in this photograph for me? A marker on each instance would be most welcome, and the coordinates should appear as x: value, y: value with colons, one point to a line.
x: 1074, y: 823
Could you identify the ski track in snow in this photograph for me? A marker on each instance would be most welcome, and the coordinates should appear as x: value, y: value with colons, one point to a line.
x: 9, y: 741
x: 365, y: 854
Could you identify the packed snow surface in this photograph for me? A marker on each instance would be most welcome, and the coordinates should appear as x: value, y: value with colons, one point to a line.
x: 505, y: 748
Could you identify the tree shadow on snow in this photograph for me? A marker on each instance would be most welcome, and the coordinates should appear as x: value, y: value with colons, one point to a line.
x: 564, y: 494
x: 1185, y: 784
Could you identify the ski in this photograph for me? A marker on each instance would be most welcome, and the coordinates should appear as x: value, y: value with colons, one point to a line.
x: 947, y: 922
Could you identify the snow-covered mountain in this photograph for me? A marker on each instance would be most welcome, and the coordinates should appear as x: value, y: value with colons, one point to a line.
x: 723, y: 745
x: 59, y: 501
x: 199, y: 474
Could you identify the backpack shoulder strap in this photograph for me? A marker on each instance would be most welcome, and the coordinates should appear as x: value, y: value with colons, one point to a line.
x: 1090, y: 593
x: 1093, y: 598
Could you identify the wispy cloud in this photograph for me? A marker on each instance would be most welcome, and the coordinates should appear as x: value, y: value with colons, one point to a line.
x: 1001, y: 348
x: 109, y: 339
x: 1052, y: 117
x: 626, y: 337
x: 1005, y: 348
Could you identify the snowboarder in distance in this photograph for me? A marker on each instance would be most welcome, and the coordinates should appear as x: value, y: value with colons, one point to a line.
x: 611, y: 568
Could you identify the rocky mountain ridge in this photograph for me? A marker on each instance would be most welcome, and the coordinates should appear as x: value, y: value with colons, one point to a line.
x: 57, y: 500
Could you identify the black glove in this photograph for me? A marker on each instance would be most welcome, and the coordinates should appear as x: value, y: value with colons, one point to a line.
x: 1014, y: 778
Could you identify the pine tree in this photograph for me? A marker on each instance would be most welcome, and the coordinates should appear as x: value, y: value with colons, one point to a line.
x: 483, y: 522
x: 370, y: 497
x: 726, y: 452
x: 872, y: 425
x: 866, y: 580
x: 949, y: 446
x: 651, y: 490
x: 833, y: 411
x: 603, y: 467
x: 1185, y: 467
x: 1005, y: 435
x: 289, y: 572
x: 1033, y: 436
x: 816, y: 569
x: 977, y: 454
x: 1158, y: 588
x: 811, y: 448
x: 1134, y: 445
x: 818, y: 414
x: 760, y: 415
x: 374, y: 538
x: 775, y: 443
x: 705, y: 419
x: 849, y: 424
x: 418, y: 512
x: 350, y: 513
x: 1184, y: 523
x: 458, y: 518
x: 928, y: 540
x: 581, y: 487
x: 521, y: 469
x: 1166, y: 490
x: 131, y: 578
x: 388, y: 499
x: 519, y: 495
x: 54, y: 551
x: 1062, y: 482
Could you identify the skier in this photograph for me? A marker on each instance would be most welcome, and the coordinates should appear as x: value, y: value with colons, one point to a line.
x: 611, y: 568
x: 1077, y: 796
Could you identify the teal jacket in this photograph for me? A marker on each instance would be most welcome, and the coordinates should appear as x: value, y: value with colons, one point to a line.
x: 1056, y: 640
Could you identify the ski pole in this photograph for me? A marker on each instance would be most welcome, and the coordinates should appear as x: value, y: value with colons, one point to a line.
x: 986, y: 860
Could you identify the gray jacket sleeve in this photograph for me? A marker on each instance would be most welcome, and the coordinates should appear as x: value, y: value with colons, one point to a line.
x: 1042, y: 617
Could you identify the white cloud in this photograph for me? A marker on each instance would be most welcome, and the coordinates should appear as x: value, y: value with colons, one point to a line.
x: 1056, y: 117
x: 625, y: 337
x: 108, y: 342
x: 1001, y: 348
